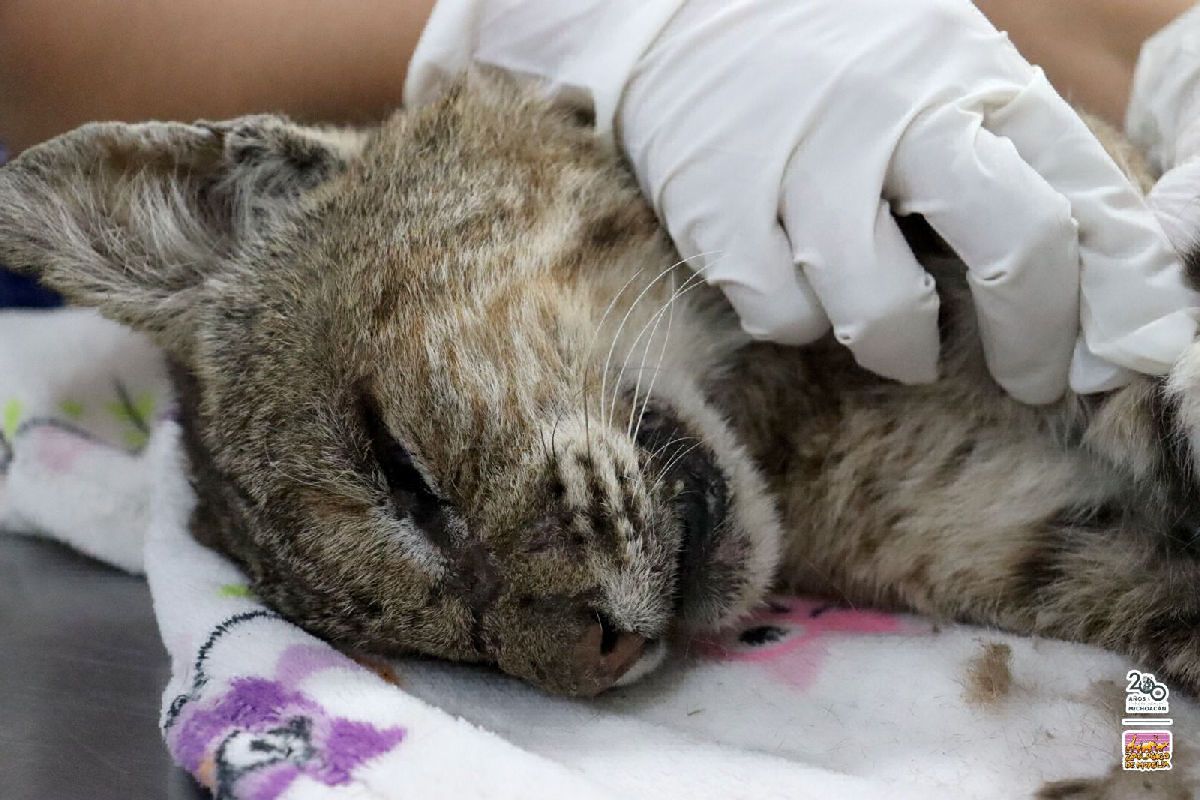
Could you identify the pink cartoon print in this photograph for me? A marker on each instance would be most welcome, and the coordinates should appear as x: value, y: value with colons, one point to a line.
x: 790, y: 636
x: 58, y: 449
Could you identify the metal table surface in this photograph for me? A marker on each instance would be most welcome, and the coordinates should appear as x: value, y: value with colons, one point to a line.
x: 81, y: 673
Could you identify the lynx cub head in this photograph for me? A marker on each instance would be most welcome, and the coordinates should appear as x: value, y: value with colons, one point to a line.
x: 435, y: 392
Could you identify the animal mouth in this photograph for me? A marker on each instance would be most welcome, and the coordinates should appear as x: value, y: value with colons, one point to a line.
x: 700, y: 499
x: 701, y: 506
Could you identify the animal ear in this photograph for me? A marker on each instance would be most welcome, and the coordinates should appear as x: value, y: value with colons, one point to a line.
x: 138, y: 220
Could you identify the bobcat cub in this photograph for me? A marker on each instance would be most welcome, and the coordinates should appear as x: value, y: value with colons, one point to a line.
x: 446, y: 388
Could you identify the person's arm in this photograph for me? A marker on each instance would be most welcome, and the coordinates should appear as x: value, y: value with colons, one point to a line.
x: 63, y: 64
x: 1088, y: 48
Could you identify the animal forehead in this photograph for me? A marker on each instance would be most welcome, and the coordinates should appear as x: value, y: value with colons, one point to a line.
x: 459, y: 191
x: 510, y: 328
x: 381, y: 268
x: 451, y: 184
x: 457, y: 238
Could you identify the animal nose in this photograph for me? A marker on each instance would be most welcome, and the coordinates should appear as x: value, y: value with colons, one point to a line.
x: 604, y: 654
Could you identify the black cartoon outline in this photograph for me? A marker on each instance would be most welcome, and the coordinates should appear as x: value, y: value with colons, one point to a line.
x: 199, y: 677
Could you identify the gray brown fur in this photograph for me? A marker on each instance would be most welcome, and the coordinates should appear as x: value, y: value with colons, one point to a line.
x: 390, y: 347
x: 989, y: 675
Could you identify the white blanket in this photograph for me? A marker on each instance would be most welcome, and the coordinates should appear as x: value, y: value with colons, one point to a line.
x: 809, y: 699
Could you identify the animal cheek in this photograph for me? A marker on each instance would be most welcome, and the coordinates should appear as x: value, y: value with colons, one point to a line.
x: 537, y: 650
x: 443, y: 625
x: 555, y: 533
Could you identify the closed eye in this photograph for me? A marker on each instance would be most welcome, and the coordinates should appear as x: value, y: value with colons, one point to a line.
x: 409, y: 490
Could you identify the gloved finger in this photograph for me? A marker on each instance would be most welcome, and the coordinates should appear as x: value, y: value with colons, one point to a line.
x: 882, y: 303
x: 745, y: 253
x: 1188, y: 145
x: 772, y: 298
x: 1175, y: 201
x: 1164, y: 104
x: 1016, y: 236
x: 1091, y: 374
x: 1134, y: 309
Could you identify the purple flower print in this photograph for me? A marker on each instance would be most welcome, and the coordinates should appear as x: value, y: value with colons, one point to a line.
x: 259, y: 735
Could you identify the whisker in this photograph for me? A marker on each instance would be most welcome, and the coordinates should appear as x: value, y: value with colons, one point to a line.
x: 587, y: 364
x: 620, y: 328
x: 587, y: 421
x: 669, y: 306
x: 670, y: 465
x: 680, y: 292
x: 616, y: 338
x: 659, y: 450
x: 653, y: 320
x: 553, y: 442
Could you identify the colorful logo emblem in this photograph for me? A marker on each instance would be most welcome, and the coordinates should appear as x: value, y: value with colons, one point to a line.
x: 1146, y: 751
x: 1147, y: 747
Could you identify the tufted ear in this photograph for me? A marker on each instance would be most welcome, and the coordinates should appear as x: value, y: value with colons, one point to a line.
x: 135, y: 219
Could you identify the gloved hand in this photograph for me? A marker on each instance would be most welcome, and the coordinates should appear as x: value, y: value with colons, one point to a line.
x: 1164, y: 120
x: 1164, y: 108
x: 775, y: 138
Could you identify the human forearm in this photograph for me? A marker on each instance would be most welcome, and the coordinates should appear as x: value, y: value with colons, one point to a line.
x: 62, y: 63
x: 1088, y: 48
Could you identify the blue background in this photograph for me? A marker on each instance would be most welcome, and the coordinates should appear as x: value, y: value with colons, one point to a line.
x: 19, y: 292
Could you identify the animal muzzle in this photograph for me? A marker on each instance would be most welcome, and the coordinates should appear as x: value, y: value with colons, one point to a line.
x: 603, y: 655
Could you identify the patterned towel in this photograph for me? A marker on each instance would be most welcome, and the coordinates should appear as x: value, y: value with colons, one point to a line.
x: 809, y: 699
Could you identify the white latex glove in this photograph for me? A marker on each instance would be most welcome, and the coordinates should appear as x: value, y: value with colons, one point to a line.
x: 1164, y: 120
x: 1176, y: 201
x: 776, y: 137
x: 1164, y: 108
